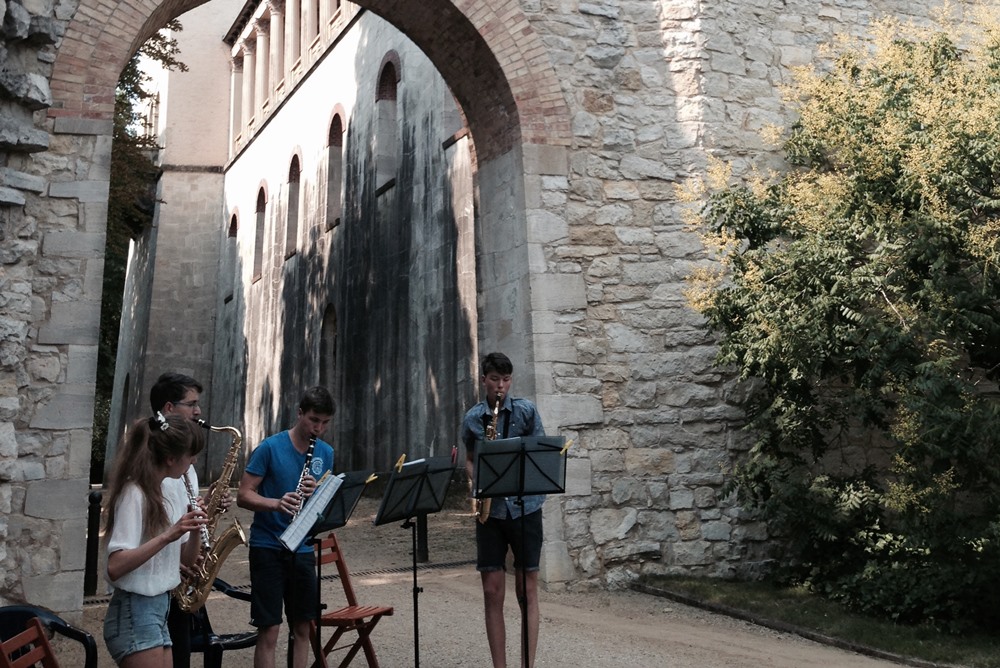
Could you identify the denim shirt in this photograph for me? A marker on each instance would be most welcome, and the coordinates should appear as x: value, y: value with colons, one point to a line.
x: 524, y: 420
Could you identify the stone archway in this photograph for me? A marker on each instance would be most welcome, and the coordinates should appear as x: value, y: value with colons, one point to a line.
x: 587, y: 251
x: 500, y: 74
x: 494, y: 63
x: 488, y: 43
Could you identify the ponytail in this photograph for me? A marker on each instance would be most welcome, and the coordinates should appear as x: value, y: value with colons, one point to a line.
x: 146, y: 449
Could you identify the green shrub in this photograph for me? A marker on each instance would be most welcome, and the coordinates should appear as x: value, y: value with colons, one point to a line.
x: 858, y: 294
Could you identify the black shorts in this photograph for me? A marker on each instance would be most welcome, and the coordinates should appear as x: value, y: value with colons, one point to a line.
x: 495, y: 536
x: 280, y: 576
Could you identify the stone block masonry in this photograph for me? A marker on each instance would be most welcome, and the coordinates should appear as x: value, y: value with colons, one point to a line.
x: 604, y: 108
x: 50, y: 285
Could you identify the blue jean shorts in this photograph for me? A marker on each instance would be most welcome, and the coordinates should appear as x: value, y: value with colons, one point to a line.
x: 135, y: 623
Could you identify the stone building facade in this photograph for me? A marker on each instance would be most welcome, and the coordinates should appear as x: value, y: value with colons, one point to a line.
x: 584, y: 117
x: 315, y: 226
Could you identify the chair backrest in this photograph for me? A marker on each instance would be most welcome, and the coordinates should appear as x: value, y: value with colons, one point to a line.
x: 206, y: 641
x: 15, y: 618
x: 28, y: 648
x: 327, y: 551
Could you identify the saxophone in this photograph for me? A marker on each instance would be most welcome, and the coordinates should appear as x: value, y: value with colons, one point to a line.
x: 481, y: 507
x: 194, y: 589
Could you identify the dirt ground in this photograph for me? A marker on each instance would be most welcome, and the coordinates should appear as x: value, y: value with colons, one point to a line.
x: 579, y: 630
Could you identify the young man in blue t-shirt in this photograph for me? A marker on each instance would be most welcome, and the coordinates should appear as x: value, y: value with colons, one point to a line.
x: 275, y: 483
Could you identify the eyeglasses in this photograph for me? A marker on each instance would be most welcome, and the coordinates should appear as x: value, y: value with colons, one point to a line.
x: 189, y: 404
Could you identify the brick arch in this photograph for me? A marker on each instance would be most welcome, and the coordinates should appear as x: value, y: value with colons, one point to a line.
x: 393, y: 58
x: 495, y: 64
x: 99, y: 40
x: 295, y: 155
x: 388, y: 79
x: 338, y: 111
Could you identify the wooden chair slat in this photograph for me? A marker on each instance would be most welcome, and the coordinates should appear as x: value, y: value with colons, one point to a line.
x: 352, y: 618
x: 28, y: 648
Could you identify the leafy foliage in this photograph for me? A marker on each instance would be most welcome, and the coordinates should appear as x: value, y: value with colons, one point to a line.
x: 131, y: 199
x: 858, y: 292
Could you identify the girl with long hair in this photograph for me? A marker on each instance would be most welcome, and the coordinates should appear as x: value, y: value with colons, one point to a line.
x: 148, y: 537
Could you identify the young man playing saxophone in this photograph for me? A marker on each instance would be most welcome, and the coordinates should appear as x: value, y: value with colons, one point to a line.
x: 502, y: 529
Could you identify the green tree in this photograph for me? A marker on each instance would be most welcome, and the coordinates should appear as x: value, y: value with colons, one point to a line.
x: 857, y: 297
x: 131, y: 199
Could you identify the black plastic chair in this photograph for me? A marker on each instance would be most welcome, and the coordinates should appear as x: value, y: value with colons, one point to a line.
x: 15, y: 618
x: 205, y: 641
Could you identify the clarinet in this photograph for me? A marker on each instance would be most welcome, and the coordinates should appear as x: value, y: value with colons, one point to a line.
x: 206, y: 538
x: 305, y: 471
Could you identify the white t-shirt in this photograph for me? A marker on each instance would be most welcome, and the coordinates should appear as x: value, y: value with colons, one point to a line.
x: 161, y: 572
x: 175, y: 491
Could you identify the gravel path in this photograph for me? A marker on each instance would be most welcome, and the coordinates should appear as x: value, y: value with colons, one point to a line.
x: 578, y: 630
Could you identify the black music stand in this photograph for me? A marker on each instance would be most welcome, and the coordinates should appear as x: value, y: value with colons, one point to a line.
x: 415, y: 488
x: 337, y: 512
x: 520, y: 467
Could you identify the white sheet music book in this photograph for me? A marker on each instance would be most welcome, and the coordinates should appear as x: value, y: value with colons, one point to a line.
x: 296, y: 533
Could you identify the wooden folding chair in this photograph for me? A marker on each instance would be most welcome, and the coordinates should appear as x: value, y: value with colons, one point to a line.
x: 14, y: 619
x: 350, y: 618
x: 28, y: 648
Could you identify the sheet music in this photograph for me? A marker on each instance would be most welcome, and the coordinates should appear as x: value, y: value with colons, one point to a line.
x: 296, y: 533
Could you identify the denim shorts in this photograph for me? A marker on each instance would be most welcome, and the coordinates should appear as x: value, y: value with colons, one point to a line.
x: 495, y: 536
x: 135, y: 623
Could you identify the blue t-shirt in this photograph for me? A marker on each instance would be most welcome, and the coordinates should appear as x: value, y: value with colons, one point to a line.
x: 280, y: 465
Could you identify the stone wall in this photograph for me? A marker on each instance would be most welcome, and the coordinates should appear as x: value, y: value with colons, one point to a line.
x: 654, y: 89
x: 604, y: 108
x: 51, y: 249
x: 30, y: 33
x: 169, y: 314
x: 387, y: 269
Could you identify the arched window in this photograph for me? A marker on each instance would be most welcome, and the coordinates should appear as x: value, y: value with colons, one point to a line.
x: 387, y: 81
x: 258, y: 241
x: 335, y: 173
x: 386, y: 128
x: 292, y: 219
x: 229, y: 259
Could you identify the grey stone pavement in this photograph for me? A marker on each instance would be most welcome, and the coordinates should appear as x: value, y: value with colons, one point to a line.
x: 441, y: 626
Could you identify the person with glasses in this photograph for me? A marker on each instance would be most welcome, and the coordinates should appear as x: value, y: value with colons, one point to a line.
x: 178, y: 394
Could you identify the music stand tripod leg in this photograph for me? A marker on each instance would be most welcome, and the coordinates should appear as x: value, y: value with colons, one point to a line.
x: 412, y: 526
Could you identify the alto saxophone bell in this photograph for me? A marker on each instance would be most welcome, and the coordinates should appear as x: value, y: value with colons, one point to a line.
x: 193, y: 590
